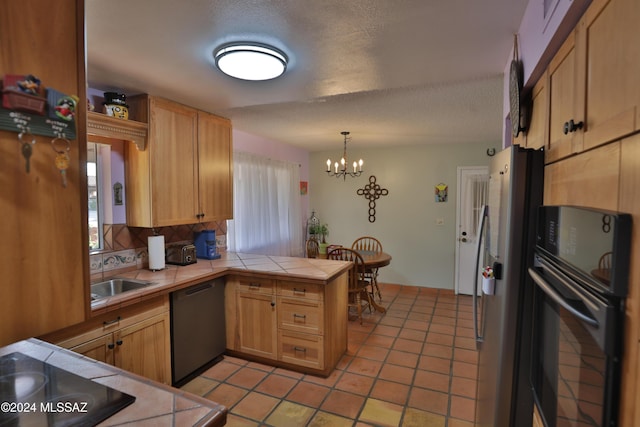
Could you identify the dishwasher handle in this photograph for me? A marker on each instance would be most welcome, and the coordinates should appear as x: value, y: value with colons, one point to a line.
x: 198, y: 289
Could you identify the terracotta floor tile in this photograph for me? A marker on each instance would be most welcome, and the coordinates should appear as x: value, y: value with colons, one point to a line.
x: 444, y: 320
x: 380, y: 341
x: 308, y: 394
x: 425, y: 317
x: 381, y: 413
x: 465, y: 355
x: 442, y: 329
x: 399, y: 374
x: 465, y: 370
x: 436, y: 338
x: 290, y: 414
x: 435, y: 364
x: 410, y: 346
x: 288, y: 373
x: 432, y: 380
x: 325, y: 419
x: 465, y: 387
x: 227, y: 395
x: 221, y: 370
x: 392, y: 321
x: 373, y: 352
x: 256, y: 406
x: 200, y: 386
x: 417, y: 418
x: 389, y: 331
x: 363, y: 366
x: 460, y: 423
x: 247, y: 378
x: 467, y: 315
x: 462, y: 408
x: 354, y: 383
x: 438, y: 351
x: 412, y: 334
x: 445, y: 312
x: 419, y: 325
x: 464, y: 342
x: 465, y: 323
x: 465, y: 332
x: 429, y: 400
x: 329, y: 381
x: 260, y: 366
x: 343, y: 403
x: 402, y: 358
x: 276, y: 385
x: 390, y: 392
x: 236, y: 421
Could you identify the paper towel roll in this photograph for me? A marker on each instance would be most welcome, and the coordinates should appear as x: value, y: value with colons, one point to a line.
x: 156, y: 252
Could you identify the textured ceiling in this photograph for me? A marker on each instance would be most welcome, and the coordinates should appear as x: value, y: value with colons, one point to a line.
x: 389, y: 71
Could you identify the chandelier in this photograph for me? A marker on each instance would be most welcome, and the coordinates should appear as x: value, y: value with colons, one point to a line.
x: 340, y: 169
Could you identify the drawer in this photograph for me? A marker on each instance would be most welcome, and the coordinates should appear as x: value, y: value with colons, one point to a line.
x: 301, y: 349
x: 301, y: 316
x: 258, y: 286
x: 301, y: 290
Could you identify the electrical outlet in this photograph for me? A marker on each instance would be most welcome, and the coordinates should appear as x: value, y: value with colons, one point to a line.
x: 439, y: 221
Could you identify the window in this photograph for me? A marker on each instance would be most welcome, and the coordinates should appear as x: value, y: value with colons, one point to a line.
x: 96, y: 193
x: 267, y: 215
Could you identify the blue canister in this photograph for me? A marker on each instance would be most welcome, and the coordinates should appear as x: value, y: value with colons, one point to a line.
x: 205, y: 242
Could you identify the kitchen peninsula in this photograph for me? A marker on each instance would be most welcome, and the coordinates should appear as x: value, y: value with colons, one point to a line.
x: 285, y: 311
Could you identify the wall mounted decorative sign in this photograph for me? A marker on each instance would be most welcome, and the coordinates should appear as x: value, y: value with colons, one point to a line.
x: 441, y: 192
x: 372, y: 192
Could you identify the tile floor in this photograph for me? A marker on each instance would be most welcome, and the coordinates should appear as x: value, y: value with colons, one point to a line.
x: 416, y: 365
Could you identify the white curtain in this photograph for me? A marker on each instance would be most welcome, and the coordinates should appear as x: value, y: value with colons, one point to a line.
x: 267, y: 218
x: 476, y: 195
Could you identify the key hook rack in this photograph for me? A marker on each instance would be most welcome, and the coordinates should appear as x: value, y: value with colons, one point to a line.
x: 20, y: 122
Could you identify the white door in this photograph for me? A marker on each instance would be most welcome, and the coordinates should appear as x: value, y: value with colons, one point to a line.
x: 473, y: 186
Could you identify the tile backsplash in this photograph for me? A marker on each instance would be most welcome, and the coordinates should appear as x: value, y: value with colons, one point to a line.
x: 126, y: 247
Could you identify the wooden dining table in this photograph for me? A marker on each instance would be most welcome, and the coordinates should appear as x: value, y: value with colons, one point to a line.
x: 375, y: 260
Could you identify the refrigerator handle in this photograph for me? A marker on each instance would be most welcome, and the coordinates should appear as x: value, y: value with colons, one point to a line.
x: 476, y: 330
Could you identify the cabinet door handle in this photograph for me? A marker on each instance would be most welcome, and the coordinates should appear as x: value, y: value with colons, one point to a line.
x: 299, y: 316
x: 119, y: 342
x: 273, y: 303
x: 111, y: 346
x: 111, y: 322
x: 571, y: 126
x: 254, y: 285
x: 299, y: 291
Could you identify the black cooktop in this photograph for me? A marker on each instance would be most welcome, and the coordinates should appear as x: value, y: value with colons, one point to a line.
x: 34, y: 393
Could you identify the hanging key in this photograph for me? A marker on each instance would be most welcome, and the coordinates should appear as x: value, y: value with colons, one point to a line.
x: 62, y: 163
x: 27, y: 150
x: 62, y: 146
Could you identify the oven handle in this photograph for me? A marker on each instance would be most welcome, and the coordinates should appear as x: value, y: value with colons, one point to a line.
x: 551, y: 293
x: 476, y: 330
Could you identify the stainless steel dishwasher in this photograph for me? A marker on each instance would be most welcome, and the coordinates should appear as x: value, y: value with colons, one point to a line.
x: 197, y: 329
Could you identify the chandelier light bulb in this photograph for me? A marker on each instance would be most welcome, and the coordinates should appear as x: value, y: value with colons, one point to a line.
x: 342, y: 171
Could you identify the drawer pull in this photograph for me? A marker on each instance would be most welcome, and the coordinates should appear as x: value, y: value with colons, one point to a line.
x: 111, y: 346
x: 299, y: 316
x: 304, y: 350
x: 254, y: 285
x: 111, y: 322
x: 299, y: 291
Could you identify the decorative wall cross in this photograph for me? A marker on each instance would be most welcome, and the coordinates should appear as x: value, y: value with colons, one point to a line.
x: 372, y: 192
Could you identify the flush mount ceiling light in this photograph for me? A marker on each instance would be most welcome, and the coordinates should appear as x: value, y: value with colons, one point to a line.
x: 250, y: 61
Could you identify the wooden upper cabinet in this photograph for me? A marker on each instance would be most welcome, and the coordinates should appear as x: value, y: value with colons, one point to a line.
x: 607, y: 47
x: 184, y: 175
x: 563, y: 108
x: 215, y: 165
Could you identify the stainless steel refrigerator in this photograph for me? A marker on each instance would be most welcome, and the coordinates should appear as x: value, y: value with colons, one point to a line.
x: 503, y: 319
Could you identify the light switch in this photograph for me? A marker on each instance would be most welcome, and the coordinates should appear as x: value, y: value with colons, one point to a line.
x: 439, y: 221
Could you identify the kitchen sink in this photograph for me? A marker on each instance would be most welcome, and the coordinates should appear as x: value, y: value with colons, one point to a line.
x: 116, y: 286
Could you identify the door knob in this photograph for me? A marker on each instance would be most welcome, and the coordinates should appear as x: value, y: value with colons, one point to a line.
x: 463, y: 239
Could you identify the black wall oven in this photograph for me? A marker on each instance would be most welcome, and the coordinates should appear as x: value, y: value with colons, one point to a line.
x: 581, y: 274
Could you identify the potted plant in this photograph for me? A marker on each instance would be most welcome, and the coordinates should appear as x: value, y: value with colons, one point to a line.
x: 323, y: 230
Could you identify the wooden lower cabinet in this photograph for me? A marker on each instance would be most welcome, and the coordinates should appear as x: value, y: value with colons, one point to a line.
x: 295, y: 324
x: 135, y: 339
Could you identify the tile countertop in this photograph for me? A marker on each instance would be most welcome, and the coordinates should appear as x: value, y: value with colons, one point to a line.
x: 175, y: 277
x: 156, y: 404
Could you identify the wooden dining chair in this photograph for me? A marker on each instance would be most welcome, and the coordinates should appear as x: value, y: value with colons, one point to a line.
x: 605, y: 261
x: 358, y: 292
x: 370, y: 244
x: 313, y: 248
